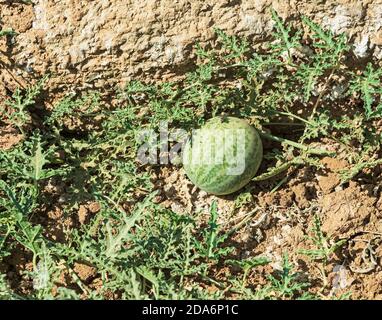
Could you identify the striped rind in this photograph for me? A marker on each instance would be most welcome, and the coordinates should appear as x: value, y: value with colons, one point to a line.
x: 214, y: 177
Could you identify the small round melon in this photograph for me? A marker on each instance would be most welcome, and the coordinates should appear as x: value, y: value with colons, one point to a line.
x: 222, y: 156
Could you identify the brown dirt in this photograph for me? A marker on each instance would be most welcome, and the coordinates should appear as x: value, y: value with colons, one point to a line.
x: 86, y: 211
x: 9, y: 137
x: 56, y: 224
x: 329, y: 178
x: 85, y: 272
x: 347, y: 211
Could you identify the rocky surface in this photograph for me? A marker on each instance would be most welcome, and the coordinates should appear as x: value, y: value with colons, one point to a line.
x: 86, y: 44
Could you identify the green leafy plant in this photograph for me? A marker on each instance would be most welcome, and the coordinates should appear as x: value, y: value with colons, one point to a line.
x: 247, y: 265
x: 79, y: 160
x: 212, y: 239
x: 9, y: 32
x: 323, y: 248
x: 285, y: 35
x: 16, y: 110
x: 286, y: 284
x: 368, y: 86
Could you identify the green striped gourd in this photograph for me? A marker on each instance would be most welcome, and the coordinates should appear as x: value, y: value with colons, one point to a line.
x: 222, y: 156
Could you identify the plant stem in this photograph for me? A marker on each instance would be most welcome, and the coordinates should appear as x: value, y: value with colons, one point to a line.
x: 279, y: 184
x: 295, y: 144
x: 274, y: 172
x: 282, y: 124
x: 291, y: 115
x: 7, y: 33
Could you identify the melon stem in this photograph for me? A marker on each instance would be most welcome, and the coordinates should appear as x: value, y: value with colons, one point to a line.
x: 297, y: 145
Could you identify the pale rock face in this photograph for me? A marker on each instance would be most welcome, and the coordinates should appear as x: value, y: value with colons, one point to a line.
x: 361, y: 47
x: 340, y: 21
x: 376, y: 16
x: 83, y: 42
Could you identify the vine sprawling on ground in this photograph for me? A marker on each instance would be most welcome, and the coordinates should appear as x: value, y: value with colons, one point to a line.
x: 139, y: 249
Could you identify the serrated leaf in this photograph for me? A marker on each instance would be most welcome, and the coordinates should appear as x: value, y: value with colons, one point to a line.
x: 37, y: 161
